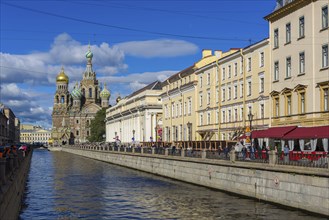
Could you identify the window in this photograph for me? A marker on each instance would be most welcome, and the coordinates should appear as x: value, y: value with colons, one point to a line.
x: 77, y: 121
x: 325, y: 59
x: 241, y: 89
x: 288, y: 67
x: 201, y: 81
x: 62, y: 99
x: 326, y: 99
x: 261, y: 59
x: 208, y: 98
x: 301, y: 63
x: 277, y: 107
x: 325, y: 17
x: 173, y: 110
x: 276, y: 71
x: 189, y: 106
x: 201, y: 119
x: 276, y: 38
x: 208, y: 79
x: 235, y: 114
x: 208, y: 118
x: 90, y: 92
x: 223, y: 94
x: 261, y: 110
x: 180, y: 108
x: 249, y: 88
x: 229, y: 71
x: 261, y: 84
x: 235, y: 69
x: 288, y: 103
x: 235, y: 91
x: 249, y: 64
x: 223, y: 75
x: 288, y: 33
x: 302, y: 102
x: 241, y: 114
x: 229, y: 93
x: 229, y: 115
x: 301, y: 27
x: 223, y: 117
x: 200, y: 100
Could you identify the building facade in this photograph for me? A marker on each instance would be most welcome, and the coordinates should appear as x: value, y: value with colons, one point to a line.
x: 137, y: 117
x: 299, y: 35
x: 73, y: 111
x: 9, y: 126
x: 35, y: 136
x: 244, y: 90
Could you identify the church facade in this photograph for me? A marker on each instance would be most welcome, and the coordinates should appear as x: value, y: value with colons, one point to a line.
x: 73, y: 111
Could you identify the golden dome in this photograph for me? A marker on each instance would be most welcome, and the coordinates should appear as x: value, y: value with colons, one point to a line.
x: 62, y: 77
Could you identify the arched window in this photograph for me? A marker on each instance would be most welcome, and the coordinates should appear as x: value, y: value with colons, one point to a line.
x: 57, y: 99
x: 90, y: 92
x: 84, y: 92
x: 62, y: 99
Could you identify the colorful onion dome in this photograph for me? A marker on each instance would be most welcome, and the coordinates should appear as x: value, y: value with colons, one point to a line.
x: 76, y: 92
x: 89, y: 54
x: 105, y: 94
x: 62, y: 77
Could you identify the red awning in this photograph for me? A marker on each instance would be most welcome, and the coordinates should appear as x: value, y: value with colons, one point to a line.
x: 308, y: 132
x: 274, y: 132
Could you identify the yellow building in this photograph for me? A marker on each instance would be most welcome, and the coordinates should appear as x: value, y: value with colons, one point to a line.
x: 35, y: 136
x: 244, y: 89
x: 299, y: 35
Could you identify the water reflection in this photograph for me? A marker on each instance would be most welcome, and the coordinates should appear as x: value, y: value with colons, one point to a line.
x: 65, y: 186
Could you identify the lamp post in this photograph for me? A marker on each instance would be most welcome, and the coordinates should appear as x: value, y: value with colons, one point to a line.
x: 250, y: 117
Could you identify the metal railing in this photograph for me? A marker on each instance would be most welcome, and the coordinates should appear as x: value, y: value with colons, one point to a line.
x: 318, y: 160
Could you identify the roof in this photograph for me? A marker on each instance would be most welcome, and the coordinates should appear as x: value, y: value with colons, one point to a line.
x: 274, y: 132
x: 308, y: 132
x: 188, y: 71
x: 153, y: 86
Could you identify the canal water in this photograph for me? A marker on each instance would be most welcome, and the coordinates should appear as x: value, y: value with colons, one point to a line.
x: 65, y: 186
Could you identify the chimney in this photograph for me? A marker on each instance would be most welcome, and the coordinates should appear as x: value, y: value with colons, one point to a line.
x: 206, y: 53
x: 218, y: 53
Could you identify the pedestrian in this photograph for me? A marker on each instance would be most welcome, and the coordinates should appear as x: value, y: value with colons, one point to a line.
x: 244, y: 152
x: 252, y: 152
x: 286, y: 153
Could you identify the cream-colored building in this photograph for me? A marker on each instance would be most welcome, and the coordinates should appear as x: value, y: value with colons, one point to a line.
x: 244, y: 88
x: 35, y: 136
x: 179, y: 106
x: 299, y: 35
x: 137, y: 117
x: 208, y: 95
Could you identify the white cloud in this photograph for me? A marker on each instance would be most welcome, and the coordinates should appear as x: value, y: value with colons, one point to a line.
x: 42, y: 67
x: 158, y: 48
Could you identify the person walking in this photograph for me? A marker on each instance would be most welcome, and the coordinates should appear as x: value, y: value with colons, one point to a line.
x: 286, y: 153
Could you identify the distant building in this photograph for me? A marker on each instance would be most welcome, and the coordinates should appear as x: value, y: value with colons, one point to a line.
x: 137, y: 117
x: 36, y: 135
x: 9, y: 126
x: 73, y: 111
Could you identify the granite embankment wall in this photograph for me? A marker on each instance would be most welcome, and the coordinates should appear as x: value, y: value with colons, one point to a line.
x: 297, y: 187
x: 13, y: 186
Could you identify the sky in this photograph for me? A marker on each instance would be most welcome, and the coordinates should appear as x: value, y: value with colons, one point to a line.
x: 134, y: 42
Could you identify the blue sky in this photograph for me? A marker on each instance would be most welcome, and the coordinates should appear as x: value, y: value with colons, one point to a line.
x: 134, y: 43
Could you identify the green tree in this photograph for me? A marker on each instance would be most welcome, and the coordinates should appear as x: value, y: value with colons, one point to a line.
x: 97, y: 127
